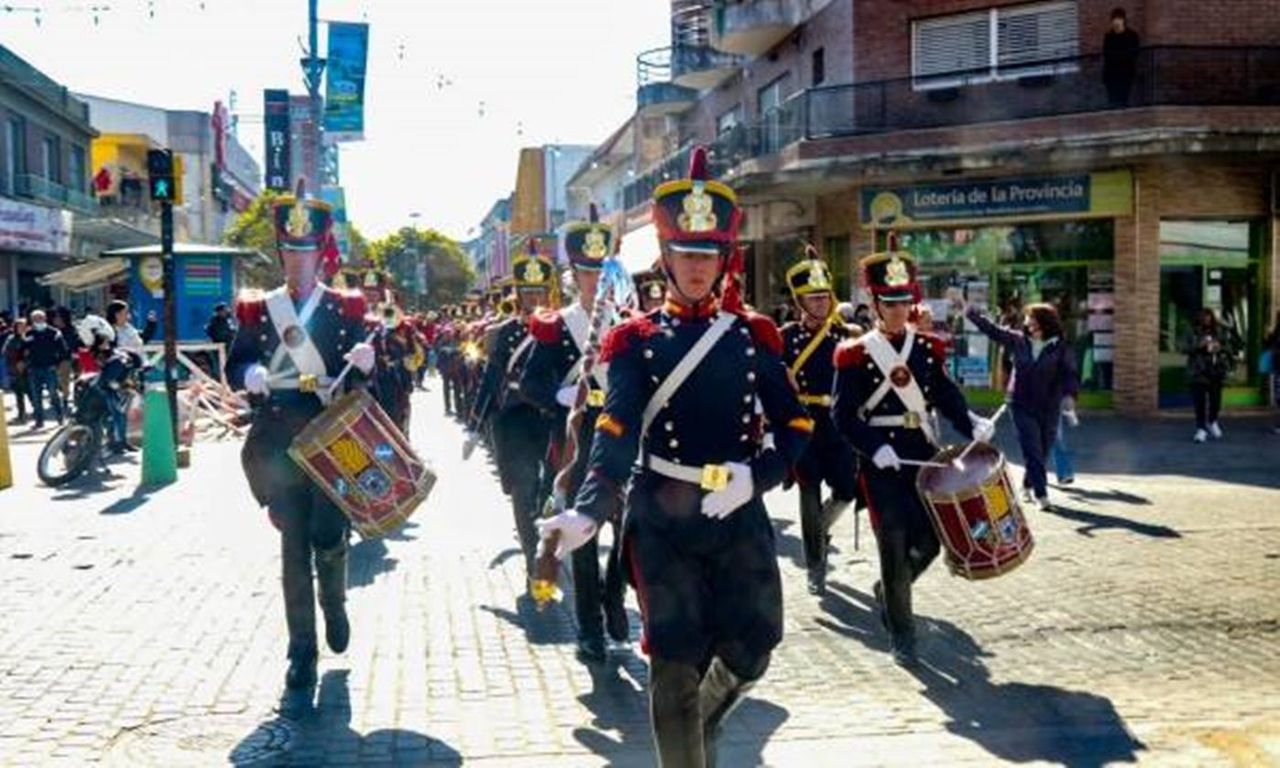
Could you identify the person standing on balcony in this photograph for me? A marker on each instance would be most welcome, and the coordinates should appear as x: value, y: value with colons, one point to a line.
x: 1119, y: 59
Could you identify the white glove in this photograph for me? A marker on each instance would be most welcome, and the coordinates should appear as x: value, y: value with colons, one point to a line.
x: 983, y: 428
x: 720, y: 504
x: 886, y: 458
x: 1072, y: 417
x: 255, y: 380
x: 566, y: 396
x: 575, y: 530
x: 361, y: 356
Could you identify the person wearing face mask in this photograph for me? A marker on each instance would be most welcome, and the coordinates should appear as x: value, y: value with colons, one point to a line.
x: 809, y: 346
x: 45, y: 349
x: 680, y: 424
x: 290, y: 348
x: 1043, y: 387
x: 888, y: 384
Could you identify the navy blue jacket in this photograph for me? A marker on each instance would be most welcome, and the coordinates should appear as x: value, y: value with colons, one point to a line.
x: 1039, y: 383
x: 45, y: 348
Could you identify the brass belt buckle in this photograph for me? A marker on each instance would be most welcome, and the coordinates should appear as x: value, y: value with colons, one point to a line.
x: 911, y: 420
x: 715, y: 477
x: 307, y: 382
x: 595, y: 398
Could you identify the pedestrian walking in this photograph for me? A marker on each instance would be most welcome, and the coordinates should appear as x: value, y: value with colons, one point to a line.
x: 683, y: 386
x: 15, y: 357
x: 1211, y: 351
x: 1042, y: 386
x: 888, y: 385
x: 809, y: 346
x: 127, y: 336
x: 1271, y: 354
x: 45, y: 349
x: 292, y: 344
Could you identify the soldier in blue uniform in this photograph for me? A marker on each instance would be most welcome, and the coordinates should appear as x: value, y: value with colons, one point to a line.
x: 680, y: 424
x: 888, y: 384
x: 520, y: 430
x: 550, y: 381
x: 651, y: 289
x: 292, y: 343
x: 809, y: 346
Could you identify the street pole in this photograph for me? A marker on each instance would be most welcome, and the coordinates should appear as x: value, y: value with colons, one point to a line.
x: 170, y: 315
x: 312, y: 70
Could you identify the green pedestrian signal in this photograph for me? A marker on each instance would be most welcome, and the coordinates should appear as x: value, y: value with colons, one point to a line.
x: 160, y: 175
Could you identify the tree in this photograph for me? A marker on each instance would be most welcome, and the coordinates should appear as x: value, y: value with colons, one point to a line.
x: 448, y: 271
x: 254, y: 229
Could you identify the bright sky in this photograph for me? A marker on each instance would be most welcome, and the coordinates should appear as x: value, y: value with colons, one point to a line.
x: 454, y: 88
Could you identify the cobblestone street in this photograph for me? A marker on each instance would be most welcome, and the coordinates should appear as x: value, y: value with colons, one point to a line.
x: 147, y: 629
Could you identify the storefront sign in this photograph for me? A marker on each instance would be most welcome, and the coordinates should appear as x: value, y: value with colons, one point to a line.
x: 1103, y: 194
x: 276, y: 120
x: 34, y: 228
x: 344, y: 78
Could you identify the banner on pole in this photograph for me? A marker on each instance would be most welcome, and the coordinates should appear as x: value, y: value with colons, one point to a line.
x: 276, y: 119
x: 344, y: 84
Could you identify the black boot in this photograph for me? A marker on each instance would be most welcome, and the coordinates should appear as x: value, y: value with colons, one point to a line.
x: 331, y: 577
x: 299, y: 606
x: 591, y: 647
x: 813, y: 536
x: 673, y: 708
x: 587, y: 596
x: 719, y: 693
x: 614, y: 599
x: 302, y: 669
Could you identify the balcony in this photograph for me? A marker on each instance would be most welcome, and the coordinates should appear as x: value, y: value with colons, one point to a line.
x: 701, y: 67
x: 1166, y: 76
x: 656, y: 93
x: 753, y: 27
x: 43, y: 190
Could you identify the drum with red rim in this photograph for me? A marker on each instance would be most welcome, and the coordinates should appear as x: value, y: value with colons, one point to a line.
x: 364, y: 464
x: 975, y: 512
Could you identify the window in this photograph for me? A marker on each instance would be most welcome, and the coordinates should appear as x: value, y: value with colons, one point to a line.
x: 995, y: 44
x: 15, y: 149
x: 76, y: 177
x: 52, y: 159
x: 819, y: 66
x: 729, y: 120
x: 772, y: 119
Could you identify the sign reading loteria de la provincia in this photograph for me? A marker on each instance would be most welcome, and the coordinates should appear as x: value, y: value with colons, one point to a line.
x: 1102, y: 194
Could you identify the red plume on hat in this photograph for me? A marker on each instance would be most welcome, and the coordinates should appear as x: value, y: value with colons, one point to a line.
x: 330, y: 257
x: 698, y: 164
x: 531, y: 246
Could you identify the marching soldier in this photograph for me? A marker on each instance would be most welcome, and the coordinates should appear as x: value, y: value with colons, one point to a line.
x: 888, y: 384
x: 651, y: 289
x: 684, y: 381
x: 809, y: 346
x: 519, y: 430
x: 447, y: 359
x: 291, y: 345
x: 550, y: 381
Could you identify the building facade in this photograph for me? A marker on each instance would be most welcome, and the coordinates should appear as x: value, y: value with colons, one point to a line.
x: 1001, y: 147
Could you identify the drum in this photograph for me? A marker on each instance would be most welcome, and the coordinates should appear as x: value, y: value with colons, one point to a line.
x: 364, y: 464
x: 975, y: 512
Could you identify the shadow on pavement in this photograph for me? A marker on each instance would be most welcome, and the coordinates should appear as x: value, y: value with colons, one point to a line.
x: 1096, y: 521
x: 368, y: 561
x: 619, y: 703
x: 788, y: 545
x: 853, y: 614
x: 1109, y: 495
x: 1017, y: 722
x: 322, y: 734
x: 129, y: 503
x: 504, y: 556
x: 553, y: 624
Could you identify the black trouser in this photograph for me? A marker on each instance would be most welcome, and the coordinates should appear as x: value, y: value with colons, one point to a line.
x: 520, y: 435
x: 1118, y: 88
x: 905, y: 539
x: 831, y: 459
x: 1036, y: 433
x: 310, y: 527
x: 1207, y: 397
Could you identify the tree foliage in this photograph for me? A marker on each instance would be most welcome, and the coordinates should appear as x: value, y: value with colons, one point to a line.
x: 254, y: 229
x: 448, y: 271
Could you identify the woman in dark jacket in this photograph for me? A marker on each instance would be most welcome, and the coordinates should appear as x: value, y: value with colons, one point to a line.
x: 1044, y: 383
x: 1211, y: 351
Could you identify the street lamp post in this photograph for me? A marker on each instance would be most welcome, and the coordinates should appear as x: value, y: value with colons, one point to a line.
x: 313, y: 70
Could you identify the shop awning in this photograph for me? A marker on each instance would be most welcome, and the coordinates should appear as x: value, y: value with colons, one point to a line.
x: 111, y: 233
x: 639, y: 249
x: 84, y: 277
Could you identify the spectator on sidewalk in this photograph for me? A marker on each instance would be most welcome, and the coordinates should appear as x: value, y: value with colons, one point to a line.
x: 1211, y: 351
x: 1272, y: 344
x: 127, y: 336
x: 1042, y: 387
x: 45, y: 350
x: 61, y: 319
x: 221, y: 329
x: 1119, y: 59
x: 14, y: 353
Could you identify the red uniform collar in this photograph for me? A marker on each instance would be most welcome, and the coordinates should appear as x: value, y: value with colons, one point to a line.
x: 702, y: 310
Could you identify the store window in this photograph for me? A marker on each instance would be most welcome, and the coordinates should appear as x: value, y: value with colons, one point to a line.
x: 1215, y: 265
x: 1004, y: 268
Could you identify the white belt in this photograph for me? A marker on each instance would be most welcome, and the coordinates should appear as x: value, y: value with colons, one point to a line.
x: 908, y: 420
x: 709, y: 477
x: 316, y: 384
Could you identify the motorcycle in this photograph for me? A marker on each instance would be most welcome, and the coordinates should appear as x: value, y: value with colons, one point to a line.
x: 76, y: 445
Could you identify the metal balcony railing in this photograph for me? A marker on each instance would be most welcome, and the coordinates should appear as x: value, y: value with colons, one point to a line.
x: 1165, y: 76
x: 46, y: 191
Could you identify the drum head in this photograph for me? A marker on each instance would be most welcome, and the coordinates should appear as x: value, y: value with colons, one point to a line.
x: 979, y: 465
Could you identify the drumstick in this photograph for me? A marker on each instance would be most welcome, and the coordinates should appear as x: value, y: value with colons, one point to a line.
x: 959, y: 460
x: 914, y: 463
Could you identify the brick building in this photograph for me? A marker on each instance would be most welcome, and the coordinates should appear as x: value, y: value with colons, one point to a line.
x: 983, y: 134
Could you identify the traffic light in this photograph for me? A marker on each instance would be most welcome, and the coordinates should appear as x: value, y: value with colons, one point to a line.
x: 160, y: 179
